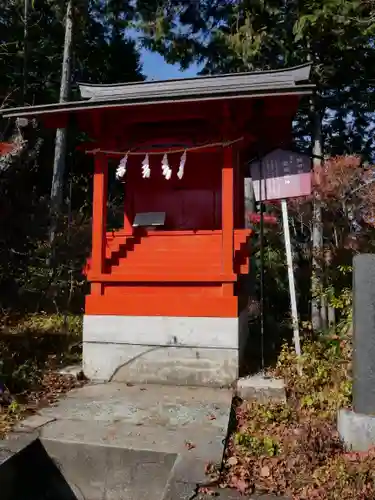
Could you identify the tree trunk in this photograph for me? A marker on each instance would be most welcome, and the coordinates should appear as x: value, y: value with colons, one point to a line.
x: 25, y: 49
x: 61, y: 134
x: 318, y: 306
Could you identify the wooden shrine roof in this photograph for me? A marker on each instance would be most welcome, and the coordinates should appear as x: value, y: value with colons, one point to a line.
x: 199, y: 87
x: 290, y: 81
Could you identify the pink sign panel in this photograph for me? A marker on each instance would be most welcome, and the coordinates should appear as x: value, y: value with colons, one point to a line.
x: 285, y: 174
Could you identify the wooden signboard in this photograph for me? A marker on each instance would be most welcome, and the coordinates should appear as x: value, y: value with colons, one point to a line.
x: 282, y: 175
x: 278, y: 176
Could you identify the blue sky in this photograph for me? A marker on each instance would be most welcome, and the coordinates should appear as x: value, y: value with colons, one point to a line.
x: 155, y: 68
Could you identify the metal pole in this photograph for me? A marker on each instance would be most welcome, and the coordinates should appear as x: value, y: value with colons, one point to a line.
x: 25, y: 48
x: 292, y: 288
x: 262, y: 299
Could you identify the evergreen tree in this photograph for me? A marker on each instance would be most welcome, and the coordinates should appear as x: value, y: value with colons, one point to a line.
x: 102, y: 52
x: 336, y: 35
x: 99, y: 54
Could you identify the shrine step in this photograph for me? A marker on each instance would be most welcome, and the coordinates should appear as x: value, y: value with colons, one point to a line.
x: 168, y: 253
x: 128, y: 443
x: 168, y: 271
x: 147, y: 252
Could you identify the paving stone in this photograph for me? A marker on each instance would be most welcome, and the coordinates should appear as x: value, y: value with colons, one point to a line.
x: 4, y: 455
x: 189, y: 470
x: 180, y: 491
x: 15, y: 441
x: 112, y: 473
x: 183, y: 420
x: 32, y: 423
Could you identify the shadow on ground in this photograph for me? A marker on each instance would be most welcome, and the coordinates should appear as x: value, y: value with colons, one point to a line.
x: 275, y: 335
x: 31, y: 474
x: 25, y: 357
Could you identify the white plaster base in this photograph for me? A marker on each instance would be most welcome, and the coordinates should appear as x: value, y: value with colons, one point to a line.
x: 173, y: 350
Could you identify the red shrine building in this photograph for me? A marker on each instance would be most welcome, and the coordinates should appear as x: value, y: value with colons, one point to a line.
x: 168, y: 299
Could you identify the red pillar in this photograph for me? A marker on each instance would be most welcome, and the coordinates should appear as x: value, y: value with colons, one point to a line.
x: 227, y: 210
x: 99, y: 214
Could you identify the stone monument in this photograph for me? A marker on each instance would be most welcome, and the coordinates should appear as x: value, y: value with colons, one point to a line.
x: 357, y: 427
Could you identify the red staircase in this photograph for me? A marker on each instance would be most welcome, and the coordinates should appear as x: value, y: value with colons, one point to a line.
x: 169, y: 274
x: 156, y: 253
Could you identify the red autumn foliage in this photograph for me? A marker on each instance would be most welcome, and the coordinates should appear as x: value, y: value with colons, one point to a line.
x: 6, y: 148
x: 268, y: 218
x: 346, y: 189
x: 345, y: 180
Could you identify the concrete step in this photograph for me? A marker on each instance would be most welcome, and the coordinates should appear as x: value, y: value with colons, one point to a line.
x: 122, y: 442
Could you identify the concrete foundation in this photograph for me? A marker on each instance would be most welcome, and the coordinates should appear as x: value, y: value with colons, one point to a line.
x: 167, y: 350
x: 356, y: 430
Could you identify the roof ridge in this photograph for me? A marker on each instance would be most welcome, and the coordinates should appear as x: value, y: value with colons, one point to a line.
x: 289, y: 69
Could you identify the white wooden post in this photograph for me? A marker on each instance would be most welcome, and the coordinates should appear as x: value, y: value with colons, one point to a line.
x: 292, y: 287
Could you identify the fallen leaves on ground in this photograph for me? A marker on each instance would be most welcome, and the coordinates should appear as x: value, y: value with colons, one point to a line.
x: 29, y: 365
x: 52, y: 386
x: 294, y: 449
x: 189, y: 445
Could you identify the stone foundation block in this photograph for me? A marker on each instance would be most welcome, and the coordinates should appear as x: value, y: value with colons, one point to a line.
x: 356, y: 430
x: 261, y: 389
x: 164, y: 350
